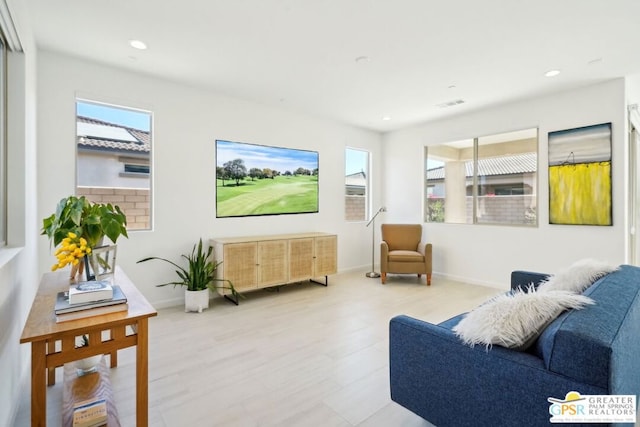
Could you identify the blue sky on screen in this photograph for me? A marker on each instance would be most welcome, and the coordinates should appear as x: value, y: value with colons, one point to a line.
x: 261, y: 156
x: 119, y: 116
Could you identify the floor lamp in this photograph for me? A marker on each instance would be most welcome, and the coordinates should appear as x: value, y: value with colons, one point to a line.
x: 372, y: 221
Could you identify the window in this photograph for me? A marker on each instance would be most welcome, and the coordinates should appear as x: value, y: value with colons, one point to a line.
x: 135, y: 169
x: 140, y: 169
x: 487, y: 180
x: 3, y: 142
x: 356, y: 184
x: 114, y: 159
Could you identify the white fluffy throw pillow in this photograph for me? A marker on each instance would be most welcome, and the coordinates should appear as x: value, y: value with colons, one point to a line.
x: 515, y: 319
x: 578, y: 276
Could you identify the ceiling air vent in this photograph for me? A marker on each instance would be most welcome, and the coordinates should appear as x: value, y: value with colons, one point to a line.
x: 450, y: 103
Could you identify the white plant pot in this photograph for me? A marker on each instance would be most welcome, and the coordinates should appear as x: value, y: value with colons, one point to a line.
x: 88, y: 364
x: 196, y: 300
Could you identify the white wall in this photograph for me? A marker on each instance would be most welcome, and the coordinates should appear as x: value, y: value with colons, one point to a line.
x: 633, y: 89
x: 486, y: 254
x: 18, y: 261
x: 100, y: 169
x: 187, y: 121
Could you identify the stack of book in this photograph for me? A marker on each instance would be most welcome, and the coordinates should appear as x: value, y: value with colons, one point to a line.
x: 90, y: 413
x: 88, y: 299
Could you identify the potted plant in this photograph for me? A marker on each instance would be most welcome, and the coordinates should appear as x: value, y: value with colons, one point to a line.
x: 198, y: 278
x: 88, y: 364
x: 78, y: 223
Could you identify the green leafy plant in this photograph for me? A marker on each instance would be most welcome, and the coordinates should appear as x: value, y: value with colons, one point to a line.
x: 83, y: 341
x: 200, y: 273
x: 91, y: 221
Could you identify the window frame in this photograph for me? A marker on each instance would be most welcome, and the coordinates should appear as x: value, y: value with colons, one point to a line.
x: 3, y: 141
x: 475, y: 184
x: 132, y: 201
x: 367, y: 184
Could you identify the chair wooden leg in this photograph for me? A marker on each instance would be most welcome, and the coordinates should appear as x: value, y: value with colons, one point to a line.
x: 383, y: 278
x: 428, y: 279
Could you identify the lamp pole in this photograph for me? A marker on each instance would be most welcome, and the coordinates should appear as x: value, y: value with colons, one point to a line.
x: 372, y: 221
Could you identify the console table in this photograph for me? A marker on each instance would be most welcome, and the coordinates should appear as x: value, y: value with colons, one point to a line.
x: 53, y: 344
x: 255, y: 262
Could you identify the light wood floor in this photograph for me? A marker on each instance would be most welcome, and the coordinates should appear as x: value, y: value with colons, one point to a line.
x: 307, y: 355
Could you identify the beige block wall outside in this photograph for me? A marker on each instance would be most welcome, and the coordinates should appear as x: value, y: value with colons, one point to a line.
x: 134, y: 202
x: 517, y: 209
x: 355, y: 209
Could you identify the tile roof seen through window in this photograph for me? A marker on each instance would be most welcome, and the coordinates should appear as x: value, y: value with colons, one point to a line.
x: 99, y: 135
x: 505, y: 165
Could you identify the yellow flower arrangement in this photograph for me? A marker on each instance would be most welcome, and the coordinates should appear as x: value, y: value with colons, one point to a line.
x: 71, y: 251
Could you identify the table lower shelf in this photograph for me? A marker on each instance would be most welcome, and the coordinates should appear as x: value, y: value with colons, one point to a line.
x: 89, y: 386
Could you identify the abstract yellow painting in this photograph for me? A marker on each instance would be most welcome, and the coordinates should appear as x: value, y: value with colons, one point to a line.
x: 580, y: 176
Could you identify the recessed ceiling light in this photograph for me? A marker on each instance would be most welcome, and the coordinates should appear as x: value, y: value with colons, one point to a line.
x: 362, y: 59
x: 552, y: 73
x: 386, y: 118
x: 137, y: 44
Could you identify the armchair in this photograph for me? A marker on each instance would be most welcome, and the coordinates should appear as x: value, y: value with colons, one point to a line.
x: 401, y: 251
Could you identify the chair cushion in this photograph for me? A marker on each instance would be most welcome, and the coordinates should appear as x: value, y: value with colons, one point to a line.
x: 405, y: 256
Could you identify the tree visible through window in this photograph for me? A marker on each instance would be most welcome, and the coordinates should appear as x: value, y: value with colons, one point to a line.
x: 356, y: 184
x: 114, y: 159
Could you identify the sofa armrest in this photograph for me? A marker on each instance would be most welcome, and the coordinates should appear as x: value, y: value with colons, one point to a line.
x: 435, y: 375
x: 522, y: 279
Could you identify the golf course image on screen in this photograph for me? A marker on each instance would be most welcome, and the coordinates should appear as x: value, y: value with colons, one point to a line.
x: 256, y: 179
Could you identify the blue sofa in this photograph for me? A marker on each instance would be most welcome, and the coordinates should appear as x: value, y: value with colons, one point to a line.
x: 595, y: 350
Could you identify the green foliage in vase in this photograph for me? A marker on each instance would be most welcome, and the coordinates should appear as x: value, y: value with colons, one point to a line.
x: 200, y: 273
x: 92, y: 221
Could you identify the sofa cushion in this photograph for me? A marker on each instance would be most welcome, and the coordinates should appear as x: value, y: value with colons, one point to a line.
x: 580, y: 344
x: 578, y: 276
x: 515, y: 319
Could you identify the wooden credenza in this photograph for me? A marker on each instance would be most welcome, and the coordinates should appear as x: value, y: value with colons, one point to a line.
x: 256, y: 262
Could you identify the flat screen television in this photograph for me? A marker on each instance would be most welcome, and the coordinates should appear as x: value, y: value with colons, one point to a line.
x: 254, y: 180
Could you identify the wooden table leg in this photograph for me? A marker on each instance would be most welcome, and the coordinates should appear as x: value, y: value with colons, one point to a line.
x: 142, y: 374
x: 38, y: 384
x: 51, y: 372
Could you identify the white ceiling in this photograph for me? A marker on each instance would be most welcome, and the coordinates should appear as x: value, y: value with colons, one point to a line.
x: 301, y: 54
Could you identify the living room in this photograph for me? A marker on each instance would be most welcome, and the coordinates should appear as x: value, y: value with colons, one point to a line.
x: 44, y: 86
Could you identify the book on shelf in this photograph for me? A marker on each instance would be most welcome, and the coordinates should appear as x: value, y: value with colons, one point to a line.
x: 90, y: 413
x: 97, y: 311
x: 91, y: 291
x: 63, y: 306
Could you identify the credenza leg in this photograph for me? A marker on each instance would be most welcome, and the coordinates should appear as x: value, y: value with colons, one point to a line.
x: 326, y: 281
x: 235, y: 301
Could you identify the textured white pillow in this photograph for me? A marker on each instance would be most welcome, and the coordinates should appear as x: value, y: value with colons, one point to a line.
x: 515, y: 319
x: 578, y: 276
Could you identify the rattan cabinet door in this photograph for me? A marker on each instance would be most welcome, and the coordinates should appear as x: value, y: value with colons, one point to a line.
x: 240, y: 265
x: 325, y: 256
x: 272, y: 263
x: 300, y: 259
